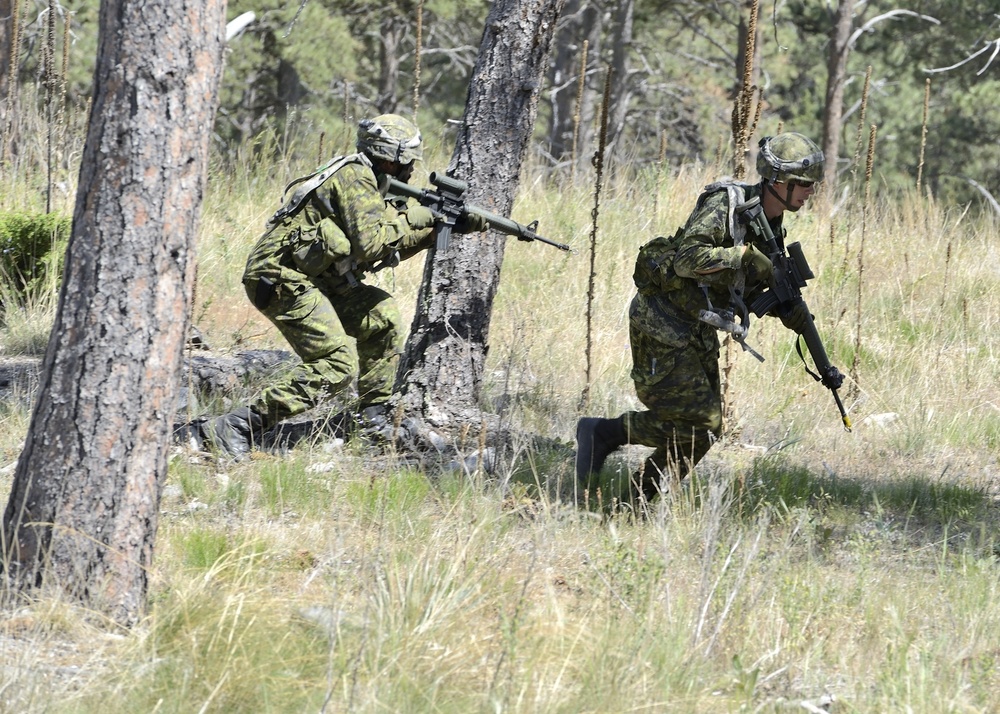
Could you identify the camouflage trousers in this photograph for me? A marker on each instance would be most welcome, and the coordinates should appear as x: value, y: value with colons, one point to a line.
x: 678, y: 383
x: 338, y: 337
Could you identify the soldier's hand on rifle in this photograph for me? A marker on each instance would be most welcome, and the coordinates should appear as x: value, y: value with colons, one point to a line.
x: 471, y: 223
x: 795, y: 316
x: 419, y: 217
x: 832, y: 378
x: 757, y: 265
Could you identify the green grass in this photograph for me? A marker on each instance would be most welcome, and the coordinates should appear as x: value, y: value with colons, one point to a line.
x: 799, y: 561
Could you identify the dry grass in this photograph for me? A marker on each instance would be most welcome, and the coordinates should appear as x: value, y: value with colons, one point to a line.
x: 802, y: 562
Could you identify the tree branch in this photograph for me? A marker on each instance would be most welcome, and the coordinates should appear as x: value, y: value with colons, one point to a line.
x: 994, y: 204
x: 995, y: 44
x: 867, y: 27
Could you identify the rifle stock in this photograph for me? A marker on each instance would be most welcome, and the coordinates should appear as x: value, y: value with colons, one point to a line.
x: 791, y: 271
x: 449, y: 205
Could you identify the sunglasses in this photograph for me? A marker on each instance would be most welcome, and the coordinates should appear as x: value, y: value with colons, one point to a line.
x: 803, y: 184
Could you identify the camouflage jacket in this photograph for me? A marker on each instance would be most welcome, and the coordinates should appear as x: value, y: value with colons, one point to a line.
x: 339, y: 229
x: 669, y: 273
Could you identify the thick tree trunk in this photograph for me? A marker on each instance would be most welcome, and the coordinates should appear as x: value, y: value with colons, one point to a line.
x: 836, y: 69
x: 83, y: 509
x: 441, y: 372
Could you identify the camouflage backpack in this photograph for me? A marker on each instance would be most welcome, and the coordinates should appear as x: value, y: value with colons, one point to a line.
x: 654, y: 264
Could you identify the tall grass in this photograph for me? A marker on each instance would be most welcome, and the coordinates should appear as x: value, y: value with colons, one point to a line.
x: 799, y: 563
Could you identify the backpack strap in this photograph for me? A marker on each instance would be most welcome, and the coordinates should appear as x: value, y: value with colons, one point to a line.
x: 737, y: 195
x: 305, y: 185
x: 725, y: 319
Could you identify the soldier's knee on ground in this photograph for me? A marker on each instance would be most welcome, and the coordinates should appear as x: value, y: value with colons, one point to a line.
x: 596, y: 439
x: 235, y: 433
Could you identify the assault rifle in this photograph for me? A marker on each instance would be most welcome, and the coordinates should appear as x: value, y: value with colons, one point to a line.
x: 448, y: 204
x: 791, y: 271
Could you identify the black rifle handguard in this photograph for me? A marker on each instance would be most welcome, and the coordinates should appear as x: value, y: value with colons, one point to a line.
x: 791, y: 271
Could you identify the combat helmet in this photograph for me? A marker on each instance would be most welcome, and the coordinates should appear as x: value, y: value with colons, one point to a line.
x: 789, y: 157
x: 390, y: 137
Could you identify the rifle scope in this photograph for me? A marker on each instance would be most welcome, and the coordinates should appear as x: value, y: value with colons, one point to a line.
x: 799, y: 259
x: 446, y: 183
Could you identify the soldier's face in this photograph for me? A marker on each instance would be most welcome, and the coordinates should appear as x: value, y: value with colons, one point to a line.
x: 797, y: 193
x: 403, y: 172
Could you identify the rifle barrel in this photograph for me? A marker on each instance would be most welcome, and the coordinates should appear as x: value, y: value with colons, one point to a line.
x: 500, y: 224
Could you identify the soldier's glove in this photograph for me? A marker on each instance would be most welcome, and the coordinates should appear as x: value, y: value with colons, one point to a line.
x: 471, y: 223
x: 832, y: 378
x: 419, y: 217
x: 795, y: 316
x: 757, y: 265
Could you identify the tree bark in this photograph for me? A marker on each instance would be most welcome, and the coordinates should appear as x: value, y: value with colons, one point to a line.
x: 441, y: 372
x: 6, y: 32
x: 8, y: 81
x: 622, y: 86
x: 836, y: 69
x: 82, y: 513
x: 391, y: 32
x: 581, y: 22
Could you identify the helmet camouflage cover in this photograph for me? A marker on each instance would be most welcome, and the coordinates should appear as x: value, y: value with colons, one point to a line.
x: 789, y: 157
x: 390, y: 137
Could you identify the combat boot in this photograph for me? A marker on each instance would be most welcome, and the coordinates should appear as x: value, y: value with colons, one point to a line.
x: 235, y: 433
x: 595, y: 440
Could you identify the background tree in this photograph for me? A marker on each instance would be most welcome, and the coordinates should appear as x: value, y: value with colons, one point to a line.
x: 571, y: 114
x: 961, y: 58
x: 626, y: 80
x: 441, y: 372
x: 7, y: 31
x: 276, y: 65
x: 836, y: 68
x: 6, y: 44
x: 83, y: 509
x: 334, y: 62
x: 305, y: 70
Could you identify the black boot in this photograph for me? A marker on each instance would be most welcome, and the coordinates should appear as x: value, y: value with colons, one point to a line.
x: 595, y: 440
x: 372, y: 422
x: 235, y: 433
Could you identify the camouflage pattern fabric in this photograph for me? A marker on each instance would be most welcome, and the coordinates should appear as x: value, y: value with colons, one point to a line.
x: 305, y: 275
x: 675, y: 368
x: 676, y: 268
x: 675, y: 357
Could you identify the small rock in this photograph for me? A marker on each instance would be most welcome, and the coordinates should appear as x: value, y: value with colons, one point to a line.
x: 881, y: 420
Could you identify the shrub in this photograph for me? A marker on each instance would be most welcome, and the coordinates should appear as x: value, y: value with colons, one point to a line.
x: 30, y: 246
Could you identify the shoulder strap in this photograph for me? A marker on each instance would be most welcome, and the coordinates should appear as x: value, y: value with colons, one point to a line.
x: 737, y: 195
x: 305, y: 185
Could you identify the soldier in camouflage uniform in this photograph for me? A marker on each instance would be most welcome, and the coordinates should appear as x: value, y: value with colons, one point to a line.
x: 675, y: 353
x: 306, y: 276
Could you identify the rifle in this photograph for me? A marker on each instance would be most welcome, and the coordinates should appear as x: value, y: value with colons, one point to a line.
x: 791, y: 271
x: 448, y: 203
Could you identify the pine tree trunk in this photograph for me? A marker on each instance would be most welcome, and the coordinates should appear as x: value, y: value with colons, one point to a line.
x: 10, y: 15
x: 441, y: 373
x: 582, y: 22
x: 622, y: 87
x: 83, y: 509
x: 6, y: 27
x: 836, y: 70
